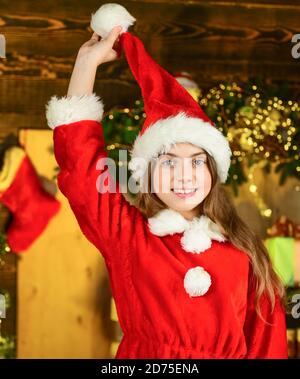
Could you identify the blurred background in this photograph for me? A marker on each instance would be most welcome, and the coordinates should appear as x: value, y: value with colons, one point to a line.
x: 240, y: 60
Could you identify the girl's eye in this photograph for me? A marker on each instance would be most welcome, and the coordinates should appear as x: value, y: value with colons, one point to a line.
x: 198, y: 162
x: 172, y: 162
x: 168, y: 162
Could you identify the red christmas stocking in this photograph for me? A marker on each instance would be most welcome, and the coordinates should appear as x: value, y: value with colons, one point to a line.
x: 22, y: 193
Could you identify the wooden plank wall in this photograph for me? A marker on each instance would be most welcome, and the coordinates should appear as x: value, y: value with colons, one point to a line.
x: 213, y: 40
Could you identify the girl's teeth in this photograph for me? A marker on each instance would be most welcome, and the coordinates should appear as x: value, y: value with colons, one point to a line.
x: 186, y: 191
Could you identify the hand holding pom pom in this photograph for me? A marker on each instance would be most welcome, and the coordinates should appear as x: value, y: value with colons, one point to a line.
x: 97, y: 51
x: 108, y: 23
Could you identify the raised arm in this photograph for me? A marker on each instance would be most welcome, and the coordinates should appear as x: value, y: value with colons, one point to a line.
x: 106, y: 218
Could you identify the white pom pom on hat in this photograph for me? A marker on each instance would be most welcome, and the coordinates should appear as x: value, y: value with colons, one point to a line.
x: 110, y: 15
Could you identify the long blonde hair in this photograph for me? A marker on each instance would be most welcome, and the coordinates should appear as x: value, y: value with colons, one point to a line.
x: 219, y: 207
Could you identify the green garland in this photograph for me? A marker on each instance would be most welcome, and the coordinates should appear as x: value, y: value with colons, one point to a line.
x: 7, y: 347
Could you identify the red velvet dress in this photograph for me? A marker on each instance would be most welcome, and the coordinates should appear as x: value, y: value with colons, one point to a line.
x: 157, y: 316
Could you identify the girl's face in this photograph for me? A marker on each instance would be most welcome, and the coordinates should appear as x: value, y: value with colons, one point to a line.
x: 181, y: 178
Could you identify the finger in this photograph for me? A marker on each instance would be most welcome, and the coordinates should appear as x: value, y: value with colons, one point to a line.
x: 114, y: 33
x: 117, y: 48
x: 95, y: 37
x: 113, y: 55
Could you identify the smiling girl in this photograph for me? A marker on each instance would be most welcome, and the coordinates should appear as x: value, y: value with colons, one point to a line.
x: 189, y: 278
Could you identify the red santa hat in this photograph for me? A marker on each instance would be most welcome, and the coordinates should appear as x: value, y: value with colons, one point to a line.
x: 172, y: 114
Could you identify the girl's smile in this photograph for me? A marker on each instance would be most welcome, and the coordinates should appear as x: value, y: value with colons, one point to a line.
x: 184, y: 193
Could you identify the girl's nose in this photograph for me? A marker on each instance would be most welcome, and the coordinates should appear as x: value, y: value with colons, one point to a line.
x: 184, y: 182
x: 185, y: 174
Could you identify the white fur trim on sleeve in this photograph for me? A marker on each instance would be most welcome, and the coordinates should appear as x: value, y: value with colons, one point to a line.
x: 68, y: 109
